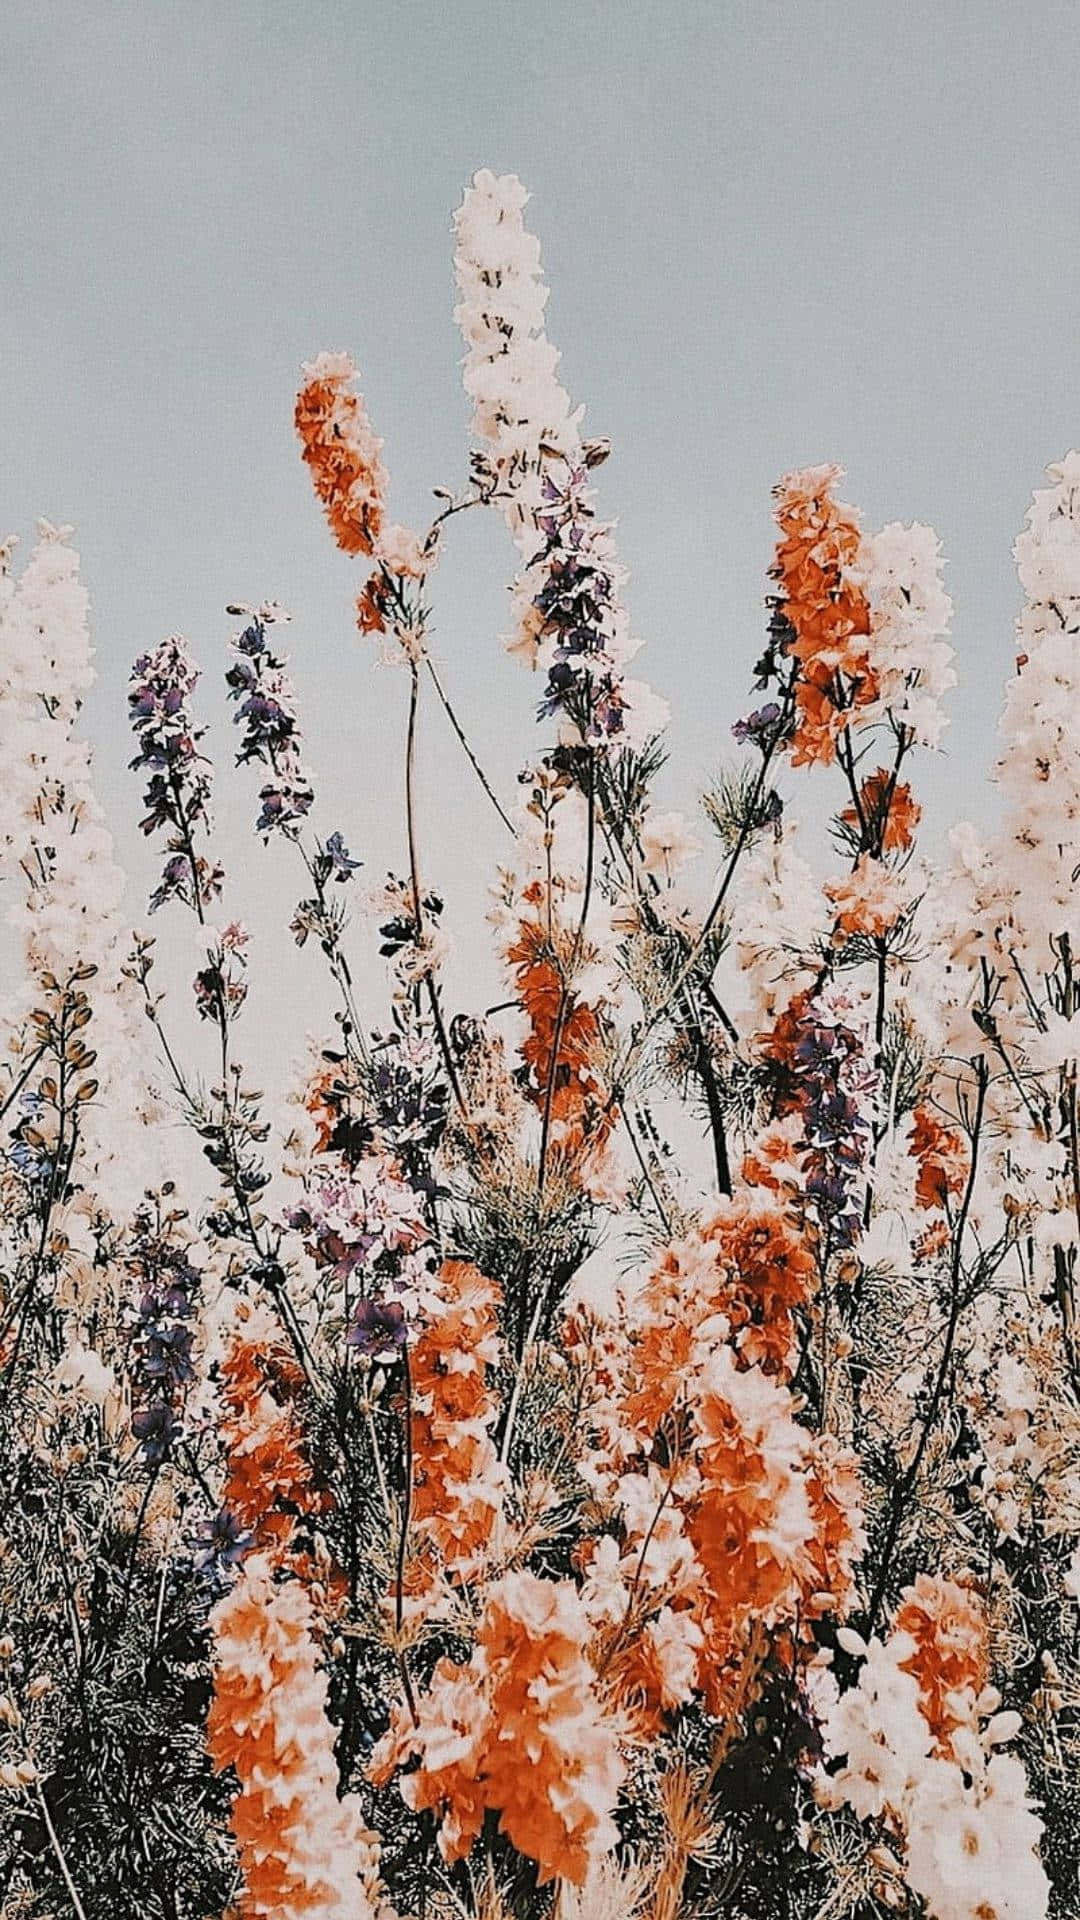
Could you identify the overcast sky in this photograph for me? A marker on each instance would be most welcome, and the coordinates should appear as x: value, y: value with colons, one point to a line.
x: 776, y: 233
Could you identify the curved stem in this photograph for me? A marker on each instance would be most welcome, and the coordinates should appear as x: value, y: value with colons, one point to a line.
x: 568, y: 975
x: 905, y: 1484
x: 403, y: 1536
x: 414, y: 875
x: 472, y: 759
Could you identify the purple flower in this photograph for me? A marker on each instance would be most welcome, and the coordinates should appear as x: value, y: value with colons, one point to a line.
x: 178, y: 792
x: 220, y: 1543
x: 266, y: 711
x: 379, y: 1329
x: 341, y: 863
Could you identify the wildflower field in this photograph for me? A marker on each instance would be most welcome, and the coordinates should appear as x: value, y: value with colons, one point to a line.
x: 361, y: 1556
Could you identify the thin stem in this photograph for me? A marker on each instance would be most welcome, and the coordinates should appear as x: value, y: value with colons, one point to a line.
x: 567, y: 982
x: 54, y: 1842
x: 22, y: 1079
x: 403, y: 1537
x: 905, y: 1484
x: 473, y: 761
x: 645, y: 1173
x: 414, y: 874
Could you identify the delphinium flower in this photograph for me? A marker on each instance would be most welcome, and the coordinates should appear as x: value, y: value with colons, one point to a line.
x: 528, y: 1689
x: 752, y: 1520
x: 341, y: 451
x: 941, y: 1157
x: 562, y: 1050
x: 367, y: 1227
x: 304, y: 1851
x: 1039, y: 768
x: 910, y: 615
x: 865, y: 617
x: 870, y: 902
x: 735, y: 1521
x: 343, y: 455
x: 521, y: 412
x: 947, y: 1623
x: 569, y: 616
x: 571, y: 622
x: 957, y: 1809
x: 62, y: 886
x: 257, y: 680
x: 458, y: 1480
x: 163, y: 1334
x: 269, y: 1485
x: 817, y: 1070
x: 562, y: 977
x: 178, y: 793
x: 825, y: 611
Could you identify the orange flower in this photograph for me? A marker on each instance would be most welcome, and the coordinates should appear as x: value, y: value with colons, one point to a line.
x: 771, y: 1274
x: 457, y: 1483
x: 268, y: 1477
x: 773, y: 1161
x: 373, y: 605
x: 951, y: 1662
x: 305, y: 1854
x: 752, y: 1520
x: 561, y: 1048
x: 742, y: 1278
x: 815, y: 556
x: 451, y: 1734
x: 342, y: 452
x: 870, y: 901
x: 888, y: 811
x: 942, y: 1159
x: 519, y: 1731
x: 838, y: 1541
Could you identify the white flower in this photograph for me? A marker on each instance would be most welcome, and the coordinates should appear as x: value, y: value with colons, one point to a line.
x: 87, y: 1373
x: 400, y: 551
x: 667, y: 844
x: 519, y: 406
x: 971, y: 1847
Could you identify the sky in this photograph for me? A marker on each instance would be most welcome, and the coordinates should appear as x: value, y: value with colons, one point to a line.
x: 776, y: 233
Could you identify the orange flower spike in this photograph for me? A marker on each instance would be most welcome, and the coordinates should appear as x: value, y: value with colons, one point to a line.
x: 303, y: 1851
x: 772, y: 1273
x: 838, y: 1541
x: 947, y: 1621
x: 342, y: 452
x: 458, y: 1481
x: 817, y: 551
x: 544, y: 1704
x: 268, y: 1476
x: 579, y: 1104
x: 942, y: 1157
x: 520, y: 1731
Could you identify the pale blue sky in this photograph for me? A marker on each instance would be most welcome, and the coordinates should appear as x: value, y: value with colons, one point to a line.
x: 776, y: 233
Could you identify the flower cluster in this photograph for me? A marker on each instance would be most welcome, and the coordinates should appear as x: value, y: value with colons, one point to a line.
x: 259, y: 684
x: 177, y: 797
x: 864, y: 618
x: 528, y: 1739
x: 163, y: 1337
x: 304, y: 1850
x: 521, y: 413
x: 341, y: 452
x: 820, y: 1078
x: 458, y: 1484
